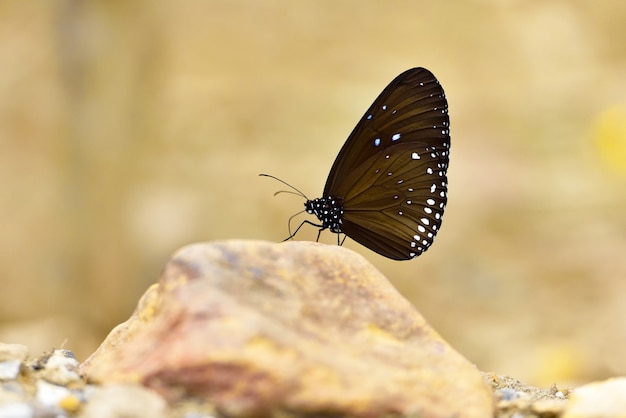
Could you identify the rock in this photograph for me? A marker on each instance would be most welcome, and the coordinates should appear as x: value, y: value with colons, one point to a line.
x: 605, y: 399
x: 12, y: 357
x: 12, y: 393
x: 13, y: 352
x: 50, y: 395
x: 516, y: 399
x: 548, y: 407
x: 10, y: 369
x: 128, y: 400
x: 60, y: 367
x: 17, y: 410
x: 262, y: 329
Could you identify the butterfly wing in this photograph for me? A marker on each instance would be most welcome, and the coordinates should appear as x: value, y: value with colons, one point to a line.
x: 411, y: 109
x: 400, y: 212
x: 391, y: 172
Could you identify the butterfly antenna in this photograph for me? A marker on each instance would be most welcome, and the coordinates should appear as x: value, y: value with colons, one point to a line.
x: 296, y: 192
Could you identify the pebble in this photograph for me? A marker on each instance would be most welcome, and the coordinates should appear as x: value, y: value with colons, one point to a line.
x: 17, y: 410
x: 11, y: 358
x: 508, y: 394
x: 10, y: 369
x: 125, y: 400
x: 50, y: 395
x: 13, y: 352
x: 61, y: 368
x: 39, y: 388
x: 606, y: 399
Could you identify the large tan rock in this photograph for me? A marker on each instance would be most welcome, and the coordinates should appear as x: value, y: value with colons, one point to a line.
x: 262, y: 329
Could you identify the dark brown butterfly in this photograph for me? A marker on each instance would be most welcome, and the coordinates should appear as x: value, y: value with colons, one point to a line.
x: 388, y: 189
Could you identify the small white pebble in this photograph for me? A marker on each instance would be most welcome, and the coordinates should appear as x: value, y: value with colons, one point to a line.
x: 61, y: 368
x: 125, y: 400
x: 507, y: 394
x: 17, y: 410
x: 598, y: 399
x: 51, y: 395
x: 10, y: 369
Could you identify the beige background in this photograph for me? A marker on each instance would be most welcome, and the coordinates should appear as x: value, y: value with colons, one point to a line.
x: 129, y: 129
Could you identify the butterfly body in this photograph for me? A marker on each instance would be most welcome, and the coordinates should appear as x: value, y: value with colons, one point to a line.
x: 387, y: 188
x: 328, y: 210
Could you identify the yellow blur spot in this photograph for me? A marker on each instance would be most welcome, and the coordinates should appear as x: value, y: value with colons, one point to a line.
x: 70, y: 403
x: 610, y: 136
x: 560, y: 362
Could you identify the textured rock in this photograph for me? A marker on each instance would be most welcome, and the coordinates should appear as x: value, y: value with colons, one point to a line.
x: 9, y: 369
x: 605, y: 399
x: 261, y: 329
x: 128, y: 401
x: 50, y: 395
x: 516, y: 399
x: 60, y: 367
x: 12, y: 357
x: 13, y: 352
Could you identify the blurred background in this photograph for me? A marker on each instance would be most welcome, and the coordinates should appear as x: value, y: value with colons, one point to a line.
x: 130, y: 129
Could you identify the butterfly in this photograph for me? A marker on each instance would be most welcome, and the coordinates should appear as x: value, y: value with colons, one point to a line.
x: 388, y: 187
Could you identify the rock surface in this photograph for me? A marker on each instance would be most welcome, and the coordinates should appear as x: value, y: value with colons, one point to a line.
x: 345, y: 315
x: 515, y: 399
x: 263, y: 329
x: 48, y: 386
x: 31, y: 395
x: 605, y: 399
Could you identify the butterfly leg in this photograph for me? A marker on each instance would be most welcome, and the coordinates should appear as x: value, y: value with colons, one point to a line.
x: 300, y: 226
x: 289, y: 224
x: 342, y: 241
